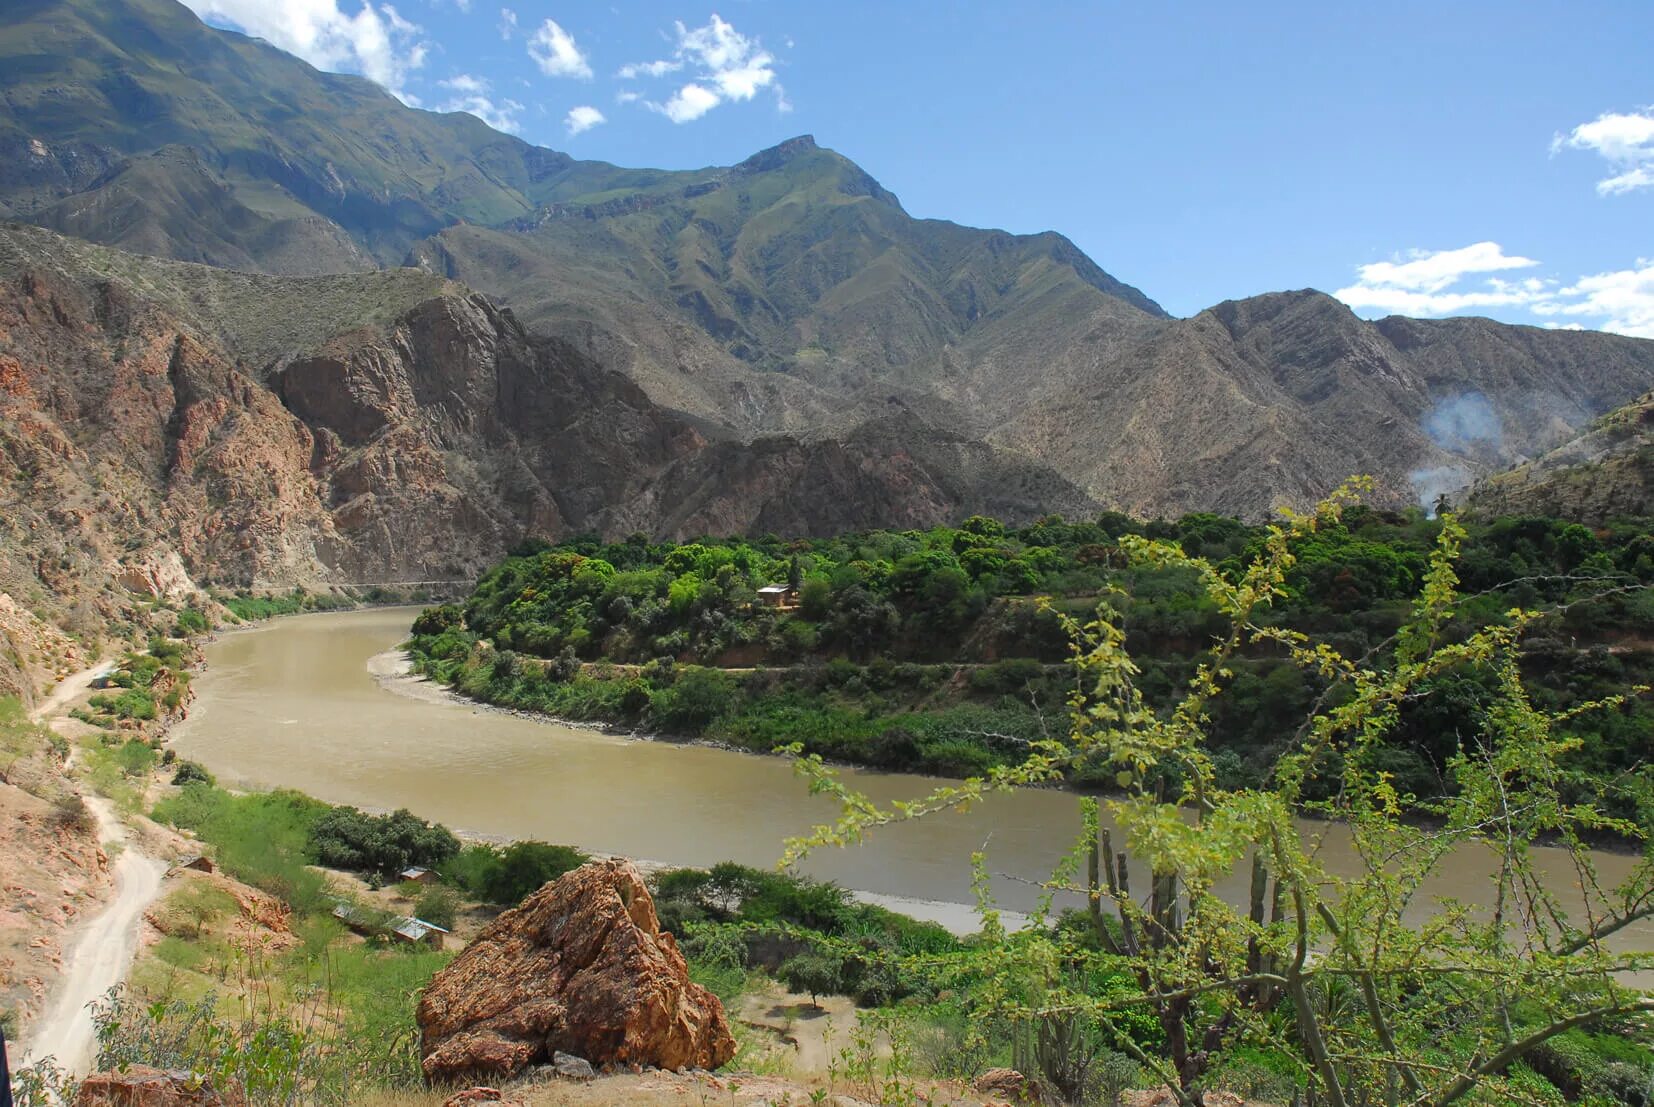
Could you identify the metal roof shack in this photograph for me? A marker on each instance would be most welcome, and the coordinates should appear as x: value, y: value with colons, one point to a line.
x: 418, y: 875
x: 419, y: 932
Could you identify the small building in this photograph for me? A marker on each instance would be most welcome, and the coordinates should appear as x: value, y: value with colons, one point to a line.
x: 418, y: 875
x: 200, y: 862
x: 782, y: 597
x: 371, y: 923
x: 356, y: 918
x: 419, y: 932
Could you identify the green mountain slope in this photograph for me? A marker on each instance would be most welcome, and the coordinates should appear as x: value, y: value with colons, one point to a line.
x: 97, y: 91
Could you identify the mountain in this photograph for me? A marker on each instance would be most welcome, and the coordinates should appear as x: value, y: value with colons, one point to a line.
x: 1607, y: 472
x: 164, y: 424
x: 787, y: 311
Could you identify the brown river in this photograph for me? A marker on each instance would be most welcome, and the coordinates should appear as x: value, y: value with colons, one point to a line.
x: 310, y: 703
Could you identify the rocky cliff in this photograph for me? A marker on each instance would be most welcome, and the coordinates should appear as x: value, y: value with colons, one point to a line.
x: 1605, y: 473
x: 154, y: 438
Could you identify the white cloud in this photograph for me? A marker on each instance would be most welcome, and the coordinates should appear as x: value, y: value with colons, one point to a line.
x: 555, y: 52
x: 689, y: 103
x: 472, y: 94
x: 1421, y: 284
x: 725, y: 66
x: 1623, y: 300
x: 1430, y: 283
x: 648, y: 69
x: 581, y: 119
x: 375, y: 41
x: 1625, y: 140
x: 627, y: 96
x: 508, y: 24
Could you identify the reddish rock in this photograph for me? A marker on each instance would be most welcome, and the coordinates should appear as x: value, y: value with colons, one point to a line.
x: 472, y: 1096
x: 141, y: 1086
x: 1008, y: 1084
x: 582, y: 967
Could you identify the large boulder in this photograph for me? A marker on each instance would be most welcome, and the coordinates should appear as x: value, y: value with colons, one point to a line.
x: 582, y: 967
x: 142, y: 1086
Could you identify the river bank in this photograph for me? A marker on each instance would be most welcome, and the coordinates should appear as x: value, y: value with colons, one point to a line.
x: 500, y: 776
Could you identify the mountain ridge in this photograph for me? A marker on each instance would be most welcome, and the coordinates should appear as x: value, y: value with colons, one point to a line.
x: 787, y: 297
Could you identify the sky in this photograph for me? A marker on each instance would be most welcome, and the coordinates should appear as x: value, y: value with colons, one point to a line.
x: 1423, y: 159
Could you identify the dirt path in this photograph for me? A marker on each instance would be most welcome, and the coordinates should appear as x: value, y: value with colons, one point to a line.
x: 68, y: 688
x: 106, y: 946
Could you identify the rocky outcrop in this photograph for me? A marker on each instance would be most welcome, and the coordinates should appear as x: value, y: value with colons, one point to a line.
x: 1605, y: 473
x: 142, y: 1086
x: 581, y: 966
x: 146, y: 452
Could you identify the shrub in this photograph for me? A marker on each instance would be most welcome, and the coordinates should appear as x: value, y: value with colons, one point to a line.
x: 507, y: 876
x: 345, y: 838
x: 439, y: 905
x: 190, y: 772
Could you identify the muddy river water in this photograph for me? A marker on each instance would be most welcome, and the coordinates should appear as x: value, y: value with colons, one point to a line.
x: 305, y: 703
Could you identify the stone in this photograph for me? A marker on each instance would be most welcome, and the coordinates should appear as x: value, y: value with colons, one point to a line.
x: 570, y: 1067
x: 473, y: 1095
x: 1007, y: 1084
x: 581, y: 967
x: 142, y: 1086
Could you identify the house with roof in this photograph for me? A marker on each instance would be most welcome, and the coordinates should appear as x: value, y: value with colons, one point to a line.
x: 781, y: 597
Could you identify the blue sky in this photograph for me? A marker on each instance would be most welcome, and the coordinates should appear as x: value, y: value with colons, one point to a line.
x: 1420, y: 158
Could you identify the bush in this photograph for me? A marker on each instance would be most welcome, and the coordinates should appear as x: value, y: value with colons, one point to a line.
x: 190, y: 772
x: 507, y: 876
x: 435, y: 620
x: 345, y: 838
x: 439, y: 905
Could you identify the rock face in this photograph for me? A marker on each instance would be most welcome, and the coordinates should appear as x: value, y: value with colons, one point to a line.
x: 156, y: 435
x: 141, y: 1086
x: 582, y: 967
x: 1604, y: 473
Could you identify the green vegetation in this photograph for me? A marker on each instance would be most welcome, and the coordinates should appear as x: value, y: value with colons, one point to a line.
x: 146, y: 686
x: 380, y: 845
x: 250, y: 607
x: 505, y: 875
x: 933, y: 650
x: 1356, y: 985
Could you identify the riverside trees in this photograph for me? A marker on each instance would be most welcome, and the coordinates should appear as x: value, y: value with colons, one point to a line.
x: 1376, y: 992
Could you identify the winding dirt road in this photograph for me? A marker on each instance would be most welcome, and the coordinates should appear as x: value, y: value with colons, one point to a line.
x: 105, y: 948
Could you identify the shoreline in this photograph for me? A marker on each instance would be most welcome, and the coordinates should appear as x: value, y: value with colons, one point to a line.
x: 404, y: 680
x: 392, y: 670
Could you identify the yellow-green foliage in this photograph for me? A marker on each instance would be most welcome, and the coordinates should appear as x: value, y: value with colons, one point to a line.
x: 1340, y: 972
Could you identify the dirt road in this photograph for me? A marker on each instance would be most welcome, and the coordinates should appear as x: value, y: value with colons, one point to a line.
x: 68, y: 688
x: 104, y: 949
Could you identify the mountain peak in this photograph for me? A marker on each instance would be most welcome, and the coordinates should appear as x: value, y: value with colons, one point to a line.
x: 778, y: 155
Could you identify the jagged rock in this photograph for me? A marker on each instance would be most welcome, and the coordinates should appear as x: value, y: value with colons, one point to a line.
x: 580, y: 967
x: 142, y: 1086
x: 570, y: 1067
x: 1008, y: 1084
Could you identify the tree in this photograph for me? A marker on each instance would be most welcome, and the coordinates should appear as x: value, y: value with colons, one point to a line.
x: 813, y: 972
x: 1377, y: 1001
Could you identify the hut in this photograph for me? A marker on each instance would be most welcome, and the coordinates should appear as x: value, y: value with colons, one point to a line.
x: 418, y: 875
x: 419, y: 932
x: 782, y: 597
x: 200, y: 862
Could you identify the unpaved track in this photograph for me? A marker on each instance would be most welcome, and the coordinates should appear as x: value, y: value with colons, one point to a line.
x: 105, y: 948
x: 70, y: 687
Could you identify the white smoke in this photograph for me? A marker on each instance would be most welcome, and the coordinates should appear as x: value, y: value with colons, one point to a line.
x: 1430, y: 485
x: 1463, y: 422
